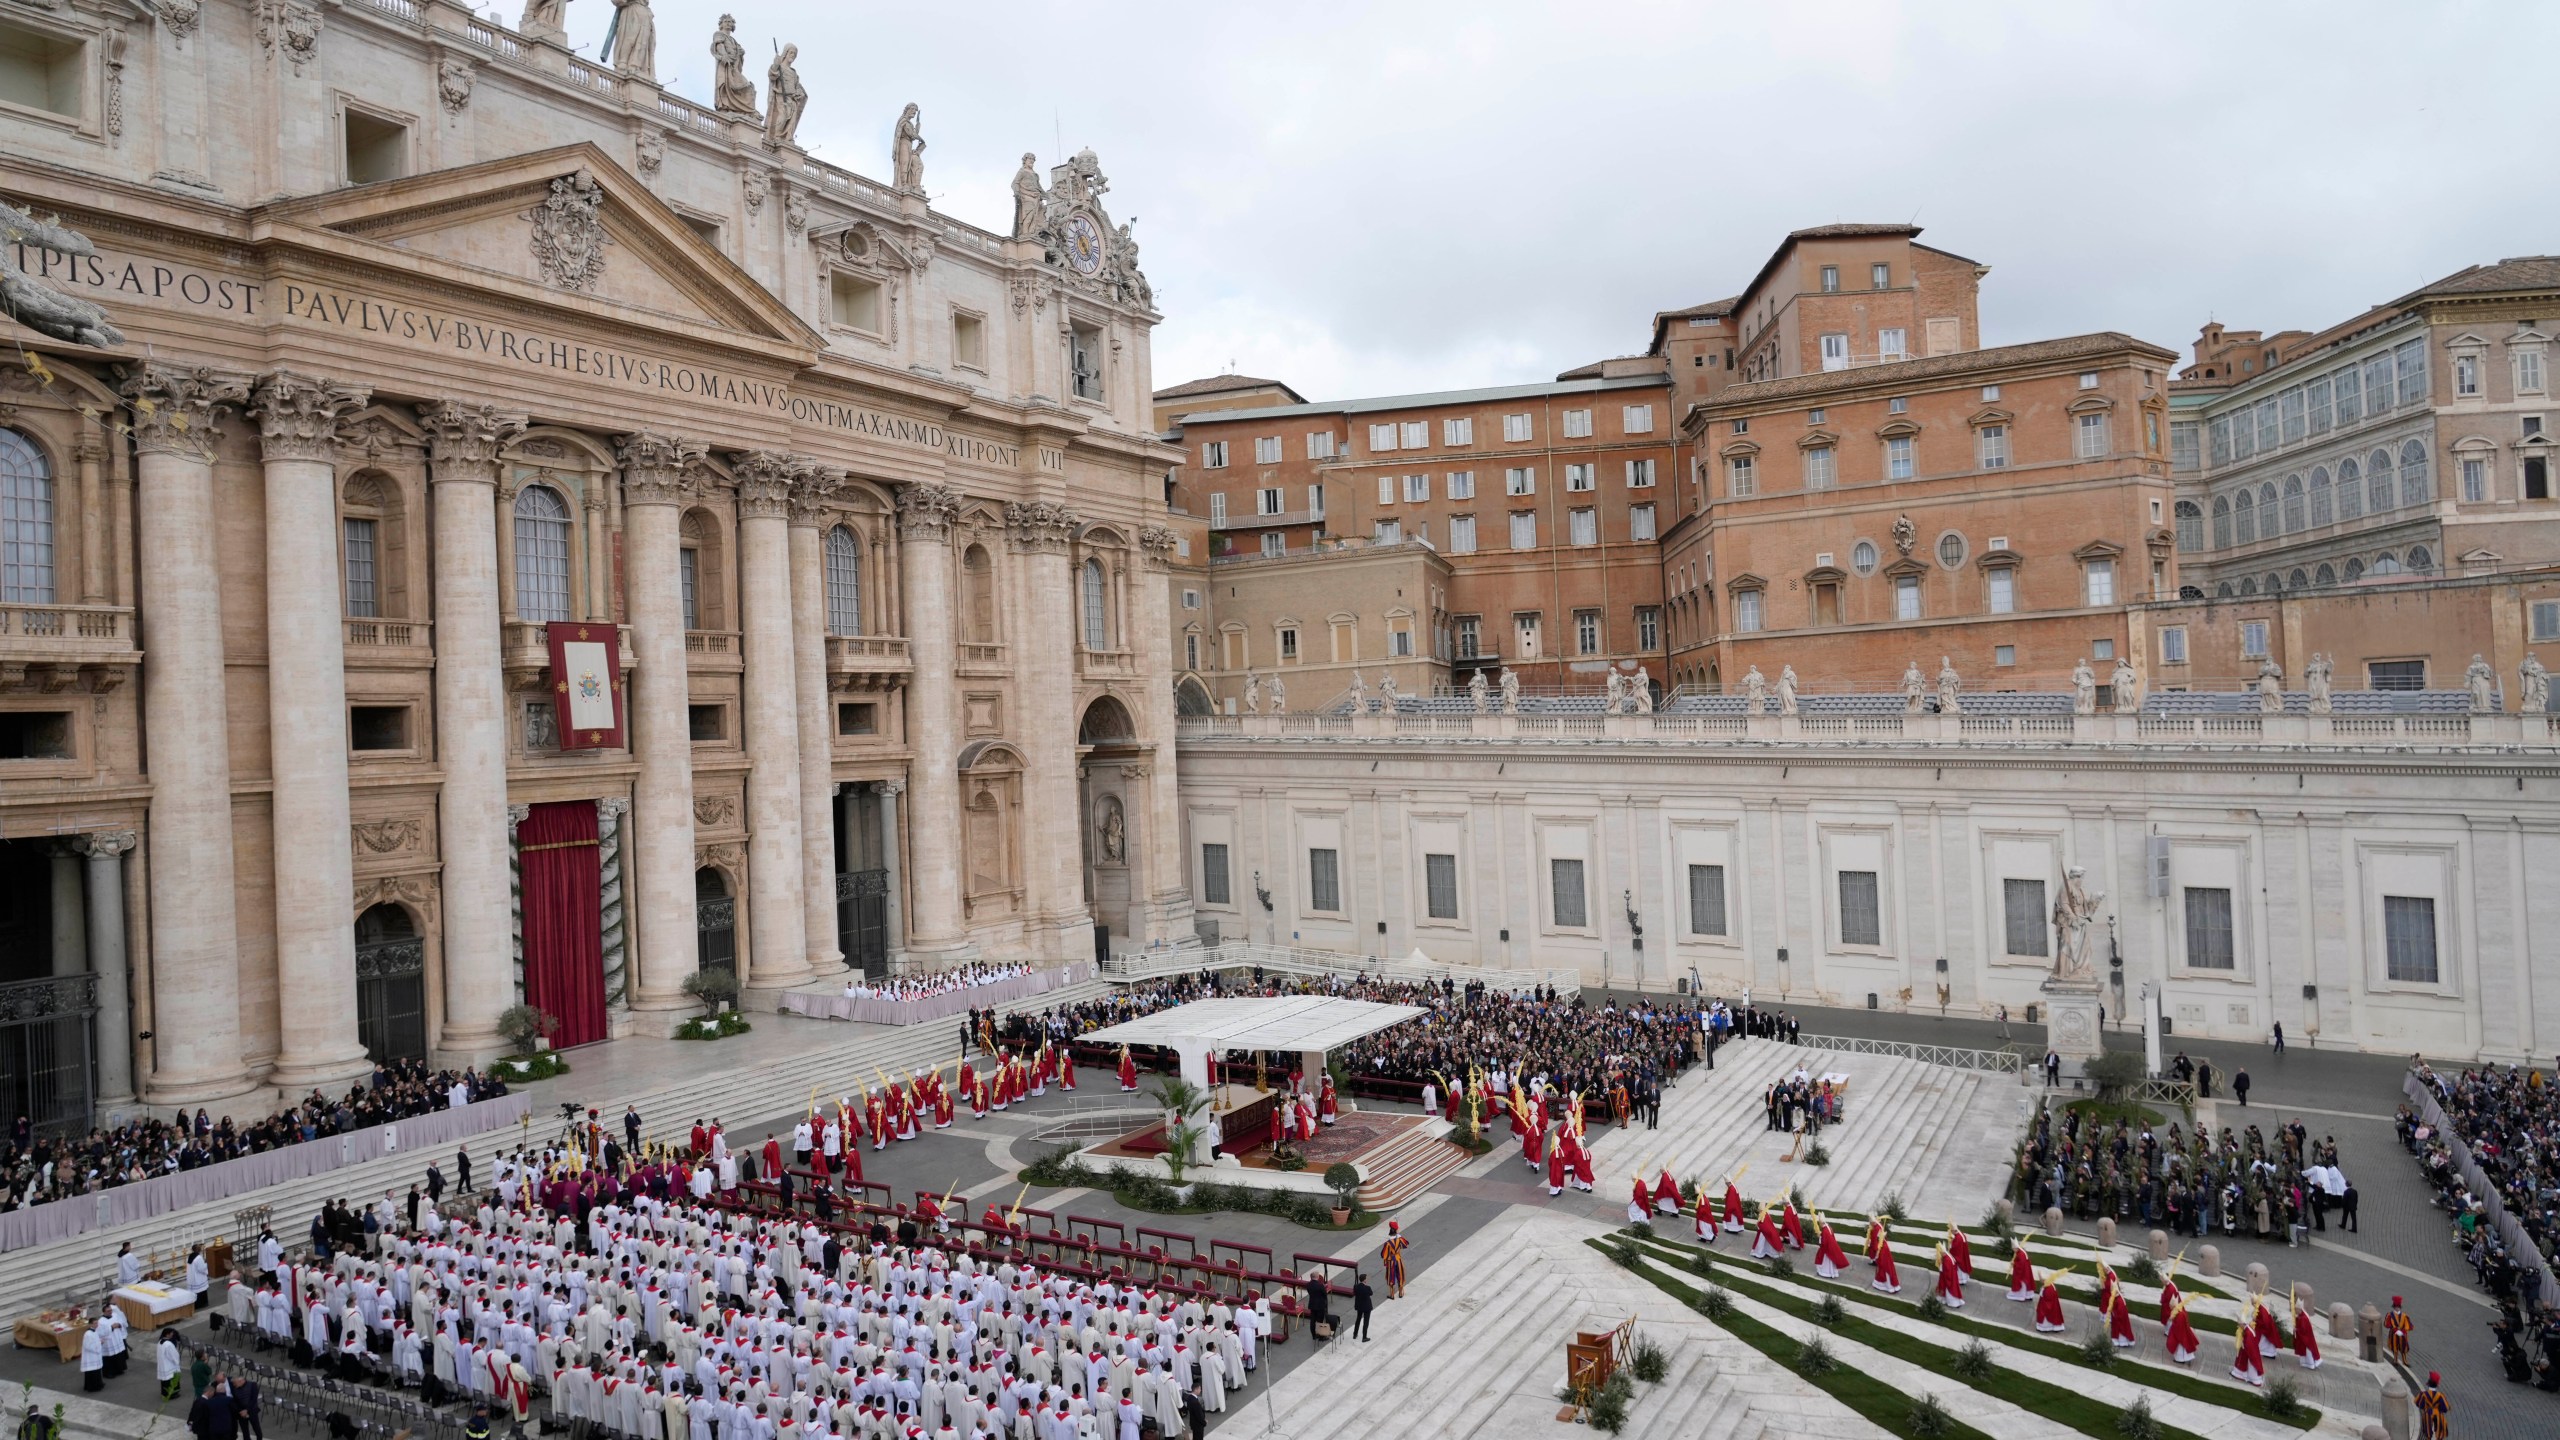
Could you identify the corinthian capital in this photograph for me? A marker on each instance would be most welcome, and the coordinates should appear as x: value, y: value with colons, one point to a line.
x: 298, y: 416
x: 464, y: 441
x: 1158, y: 543
x: 926, y: 512
x: 764, y: 483
x: 1040, y: 525
x: 657, y: 469
x: 814, y: 488
x: 175, y: 406
x: 108, y: 843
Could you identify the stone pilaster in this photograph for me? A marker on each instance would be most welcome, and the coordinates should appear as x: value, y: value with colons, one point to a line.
x: 894, y: 905
x: 307, y: 725
x: 194, y: 948
x: 614, y: 928
x: 108, y: 960
x: 463, y: 447
x: 1167, y: 889
x: 925, y: 516
x: 776, y: 894
x: 812, y: 487
x: 656, y: 471
x: 1039, y: 534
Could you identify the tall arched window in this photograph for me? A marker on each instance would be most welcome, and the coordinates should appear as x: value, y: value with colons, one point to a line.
x: 2377, y: 478
x: 542, y: 554
x: 2415, y: 488
x: 978, y: 595
x: 2320, y: 495
x: 2350, y: 489
x: 2244, y: 514
x: 2221, y: 522
x: 2190, y: 526
x: 1097, y: 615
x: 844, y: 582
x: 2267, y: 521
x: 26, y: 522
x: 2419, y: 560
x: 2293, y: 511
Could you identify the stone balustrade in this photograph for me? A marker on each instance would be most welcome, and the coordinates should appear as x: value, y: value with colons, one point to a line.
x: 2198, y: 731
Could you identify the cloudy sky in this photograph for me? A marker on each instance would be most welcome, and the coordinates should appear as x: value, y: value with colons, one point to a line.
x: 1366, y: 199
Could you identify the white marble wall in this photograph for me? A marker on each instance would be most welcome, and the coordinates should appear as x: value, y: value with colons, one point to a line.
x: 2307, y: 843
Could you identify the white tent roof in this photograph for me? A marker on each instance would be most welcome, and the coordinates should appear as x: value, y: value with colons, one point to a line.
x: 1288, y: 1022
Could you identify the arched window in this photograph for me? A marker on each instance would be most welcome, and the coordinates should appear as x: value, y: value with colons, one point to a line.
x: 1097, y: 615
x: 2377, y: 467
x: 844, y: 582
x: 2244, y: 516
x: 2223, y: 590
x: 2420, y: 562
x: 2248, y: 587
x: 2416, y: 487
x: 2298, y: 580
x: 2350, y: 489
x: 2268, y: 528
x: 2386, y: 565
x: 978, y: 595
x: 26, y: 522
x: 542, y: 554
x: 2320, y: 495
x: 2190, y: 526
x: 2327, y: 574
x: 2355, y: 570
x: 2293, y: 507
x: 2221, y: 522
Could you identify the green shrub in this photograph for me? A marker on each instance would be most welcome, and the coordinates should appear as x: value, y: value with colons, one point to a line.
x: 1974, y: 1362
x: 1830, y: 1314
x: 1932, y: 1308
x: 1780, y: 1265
x: 1716, y: 1304
x: 713, y: 988
x: 716, y: 1027
x: 1704, y: 1262
x: 1928, y: 1420
x: 1894, y: 1209
x: 523, y: 1069
x: 1623, y: 1252
x: 1608, y: 1412
x: 1291, y: 1162
x: 1817, y: 1155
x: 2142, y: 1271
x: 1650, y: 1363
x: 2098, y: 1352
x: 1815, y: 1358
x: 526, y: 1026
x: 1996, y: 1224
x: 2136, y: 1422
x: 2283, y: 1398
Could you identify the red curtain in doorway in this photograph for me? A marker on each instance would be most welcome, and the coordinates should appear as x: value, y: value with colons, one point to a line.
x: 564, y: 918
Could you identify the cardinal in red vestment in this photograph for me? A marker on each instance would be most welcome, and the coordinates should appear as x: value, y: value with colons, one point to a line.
x: 2022, y: 1274
x: 1768, y: 1241
x: 1950, y: 1288
x: 2246, y: 1363
x: 2180, y: 1336
x: 1828, y: 1262
x: 2306, y: 1342
x: 2049, y: 1304
x: 1128, y: 1070
x: 1888, y: 1276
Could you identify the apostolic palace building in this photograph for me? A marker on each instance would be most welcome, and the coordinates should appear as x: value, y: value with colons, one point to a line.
x: 480, y: 528
x: 523, y: 534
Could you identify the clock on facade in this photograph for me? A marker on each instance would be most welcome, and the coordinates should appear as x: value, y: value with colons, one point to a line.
x: 1084, y: 244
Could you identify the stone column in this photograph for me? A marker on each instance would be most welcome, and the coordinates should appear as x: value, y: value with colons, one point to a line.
x: 307, y: 725
x: 893, y: 913
x: 1167, y: 894
x: 106, y: 851
x: 70, y: 934
x: 194, y: 944
x: 776, y: 894
x: 1044, y: 665
x: 609, y: 896
x: 925, y: 515
x: 812, y: 486
x: 463, y: 446
x: 655, y: 473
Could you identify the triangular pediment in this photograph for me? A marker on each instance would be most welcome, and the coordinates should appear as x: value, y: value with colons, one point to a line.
x: 600, y: 238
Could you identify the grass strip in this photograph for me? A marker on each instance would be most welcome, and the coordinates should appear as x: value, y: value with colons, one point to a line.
x: 1872, y: 1399
x: 2037, y: 1397
x: 1734, y: 1276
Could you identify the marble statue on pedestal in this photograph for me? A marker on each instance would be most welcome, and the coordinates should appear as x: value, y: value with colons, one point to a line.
x: 1387, y: 694
x: 2482, y: 682
x: 906, y: 150
x: 1786, y: 689
x: 1252, y: 693
x: 1359, y: 694
x: 1030, y: 199
x: 2125, y: 688
x: 1640, y: 690
x: 544, y: 19
x: 786, y: 99
x: 1510, y: 692
x: 634, y: 40
x: 1755, y: 692
x: 2084, y: 688
x: 2536, y: 686
x: 1949, y: 683
x: 1279, y: 697
x: 2073, y: 912
x: 732, y: 93
x: 2270, y: 687
x: 1617, y: 693
x: 1913, y: 689
x: 1475, y: 691
x: 2315, y: 678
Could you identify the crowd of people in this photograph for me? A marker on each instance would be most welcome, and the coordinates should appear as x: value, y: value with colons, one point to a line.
x: 2509, y: 1119
x: 36, y: 1170
x: 633, y: 1309
x: 2200, y: 1185
x: 1618, y: 1057
x: 940, y: 982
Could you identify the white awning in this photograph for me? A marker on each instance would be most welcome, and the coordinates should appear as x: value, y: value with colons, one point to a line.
x: 1288, y: 1022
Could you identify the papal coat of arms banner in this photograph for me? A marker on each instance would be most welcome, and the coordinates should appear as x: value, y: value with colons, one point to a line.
x: 586, y: 684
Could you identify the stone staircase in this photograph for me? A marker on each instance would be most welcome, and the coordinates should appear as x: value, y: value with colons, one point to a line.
x: 1409, y: 1164
x: 81, y: 1267
x: 1905, y: 1117
x: 1476, y: 1352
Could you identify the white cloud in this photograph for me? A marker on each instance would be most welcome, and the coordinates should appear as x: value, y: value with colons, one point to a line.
x: 1367, y: 199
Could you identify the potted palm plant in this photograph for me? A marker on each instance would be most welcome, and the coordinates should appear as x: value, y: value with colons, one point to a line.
x: 1182, y: 1102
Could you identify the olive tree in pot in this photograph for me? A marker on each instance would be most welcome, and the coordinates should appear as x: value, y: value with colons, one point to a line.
x: 1343, y: 1178
x: 714, y: 988
x: 526, y: 1027
x: 1182, y: 1102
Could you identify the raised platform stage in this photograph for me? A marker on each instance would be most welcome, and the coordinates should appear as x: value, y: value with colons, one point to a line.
x: 1398, y: 1155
